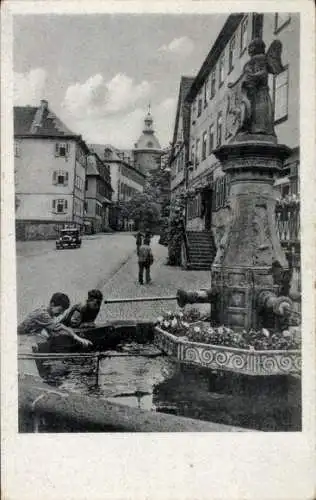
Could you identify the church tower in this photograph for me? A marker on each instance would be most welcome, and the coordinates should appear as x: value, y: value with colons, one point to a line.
x: 147, y: 151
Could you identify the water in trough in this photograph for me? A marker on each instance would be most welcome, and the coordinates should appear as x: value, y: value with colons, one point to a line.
x: 156, y: 383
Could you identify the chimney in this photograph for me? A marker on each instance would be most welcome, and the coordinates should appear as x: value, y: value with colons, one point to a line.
x: 44, y: 104
x: 38, y: 118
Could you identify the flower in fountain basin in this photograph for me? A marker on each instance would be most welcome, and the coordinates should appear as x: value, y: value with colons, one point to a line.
x: 265, y: 332
x: 159, y: 319
x: 227, y: 330
x: 186, y: 325
x: 286, y: 334
x: 220, y: 330
x: 174, y: 322
x: 180, y: 315
x: 196, y: 329
x: 295, y: 332
x: 166, y: 324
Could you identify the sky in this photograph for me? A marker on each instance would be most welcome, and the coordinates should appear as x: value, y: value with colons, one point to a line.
x: 99, y: 72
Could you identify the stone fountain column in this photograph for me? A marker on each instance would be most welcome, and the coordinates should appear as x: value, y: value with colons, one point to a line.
x: 250, y: 275
x: 243, y: 272
x: 242, y: 268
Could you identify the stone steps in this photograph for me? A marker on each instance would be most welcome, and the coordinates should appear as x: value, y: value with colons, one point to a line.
x: 201, y: 250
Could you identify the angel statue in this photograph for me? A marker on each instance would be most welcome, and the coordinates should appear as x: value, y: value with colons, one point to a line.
x: 254, y: 114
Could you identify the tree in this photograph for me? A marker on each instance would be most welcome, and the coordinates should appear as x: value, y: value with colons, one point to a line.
x: 148, y: 209
x: 176, y: 230
x: 143, y: 210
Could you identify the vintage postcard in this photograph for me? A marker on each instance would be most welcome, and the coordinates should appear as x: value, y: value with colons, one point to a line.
x: 158, y: 250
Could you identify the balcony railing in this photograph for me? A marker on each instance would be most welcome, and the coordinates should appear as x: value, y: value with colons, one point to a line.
x: 287, y: 218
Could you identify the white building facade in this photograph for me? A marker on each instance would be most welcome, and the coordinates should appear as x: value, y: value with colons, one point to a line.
x: 50, y: 172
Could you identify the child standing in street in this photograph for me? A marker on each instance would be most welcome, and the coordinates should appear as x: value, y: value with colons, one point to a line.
x: 139, y: 239
x: 145, y: 260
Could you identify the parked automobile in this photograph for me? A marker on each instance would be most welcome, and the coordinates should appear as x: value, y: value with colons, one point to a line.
x: 68, y: 238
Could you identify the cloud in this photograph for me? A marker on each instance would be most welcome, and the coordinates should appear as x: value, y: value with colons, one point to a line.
x: 123, y: 130
x: 29, y: 88
x: 84, y: 98
x: 97, y: 97
x: 182, y: 46
x: 122, y: 92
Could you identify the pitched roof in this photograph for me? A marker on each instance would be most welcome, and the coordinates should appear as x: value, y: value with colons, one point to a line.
x: 39, y: 121
x: 99, y: 150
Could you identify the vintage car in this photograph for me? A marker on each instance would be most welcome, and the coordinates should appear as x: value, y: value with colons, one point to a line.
x: 68, y: 238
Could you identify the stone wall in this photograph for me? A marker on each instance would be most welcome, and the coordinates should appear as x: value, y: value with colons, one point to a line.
x: 32, y: 230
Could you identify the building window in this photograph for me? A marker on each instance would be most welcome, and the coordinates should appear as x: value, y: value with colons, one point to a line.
x: 199, y: 106
x: 232, y: 47
x: 60, y: 178
x: 281, y: 84
x: 205, y: 87
x: 87, y: 184
x: 62, y: 149
x: 213, y: 84
x: 193, y: 112
x: 221, y: 70
x: 281, y: 20
x: 204, y: 145
x: 80, y: 156
x: 78, y: 183
x: 219, y: 128
x: 244, y: 35
x: 60, y: 206
x: 197, y: 153
x: 192, y: 155
x: 211, y: 139
x: 17, y: 149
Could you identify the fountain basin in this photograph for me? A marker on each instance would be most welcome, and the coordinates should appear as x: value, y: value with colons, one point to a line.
x: 223, y: 358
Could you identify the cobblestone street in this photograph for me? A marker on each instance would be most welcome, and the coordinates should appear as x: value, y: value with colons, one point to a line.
x: 105, y: 261
x: 165, y: 281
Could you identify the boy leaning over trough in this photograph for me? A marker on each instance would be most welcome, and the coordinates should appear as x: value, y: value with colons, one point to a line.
x: 84, y: 315
x: 43, y: 321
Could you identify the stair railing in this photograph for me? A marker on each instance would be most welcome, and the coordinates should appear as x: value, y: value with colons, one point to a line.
x: 186, y: 242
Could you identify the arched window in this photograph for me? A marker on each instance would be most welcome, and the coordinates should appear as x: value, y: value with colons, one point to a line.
x: 149, y: 144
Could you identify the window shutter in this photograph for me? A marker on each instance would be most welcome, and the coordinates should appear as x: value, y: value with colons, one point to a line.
x: 66, y: 178
x: 55, y: 177
x: 57, y: 149
x: 66, y: 204
x: 54, y: 204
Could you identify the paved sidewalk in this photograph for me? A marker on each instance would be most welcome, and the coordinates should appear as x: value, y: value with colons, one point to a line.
x: 165, y: 281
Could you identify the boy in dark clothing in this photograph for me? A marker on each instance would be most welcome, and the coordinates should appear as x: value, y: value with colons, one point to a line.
x: 84, y: 315
x: 45, y: 319
x: 145, y: 260
x: 139, y: 239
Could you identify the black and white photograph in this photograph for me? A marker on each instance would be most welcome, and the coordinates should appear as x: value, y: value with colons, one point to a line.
x: 157, y: 224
